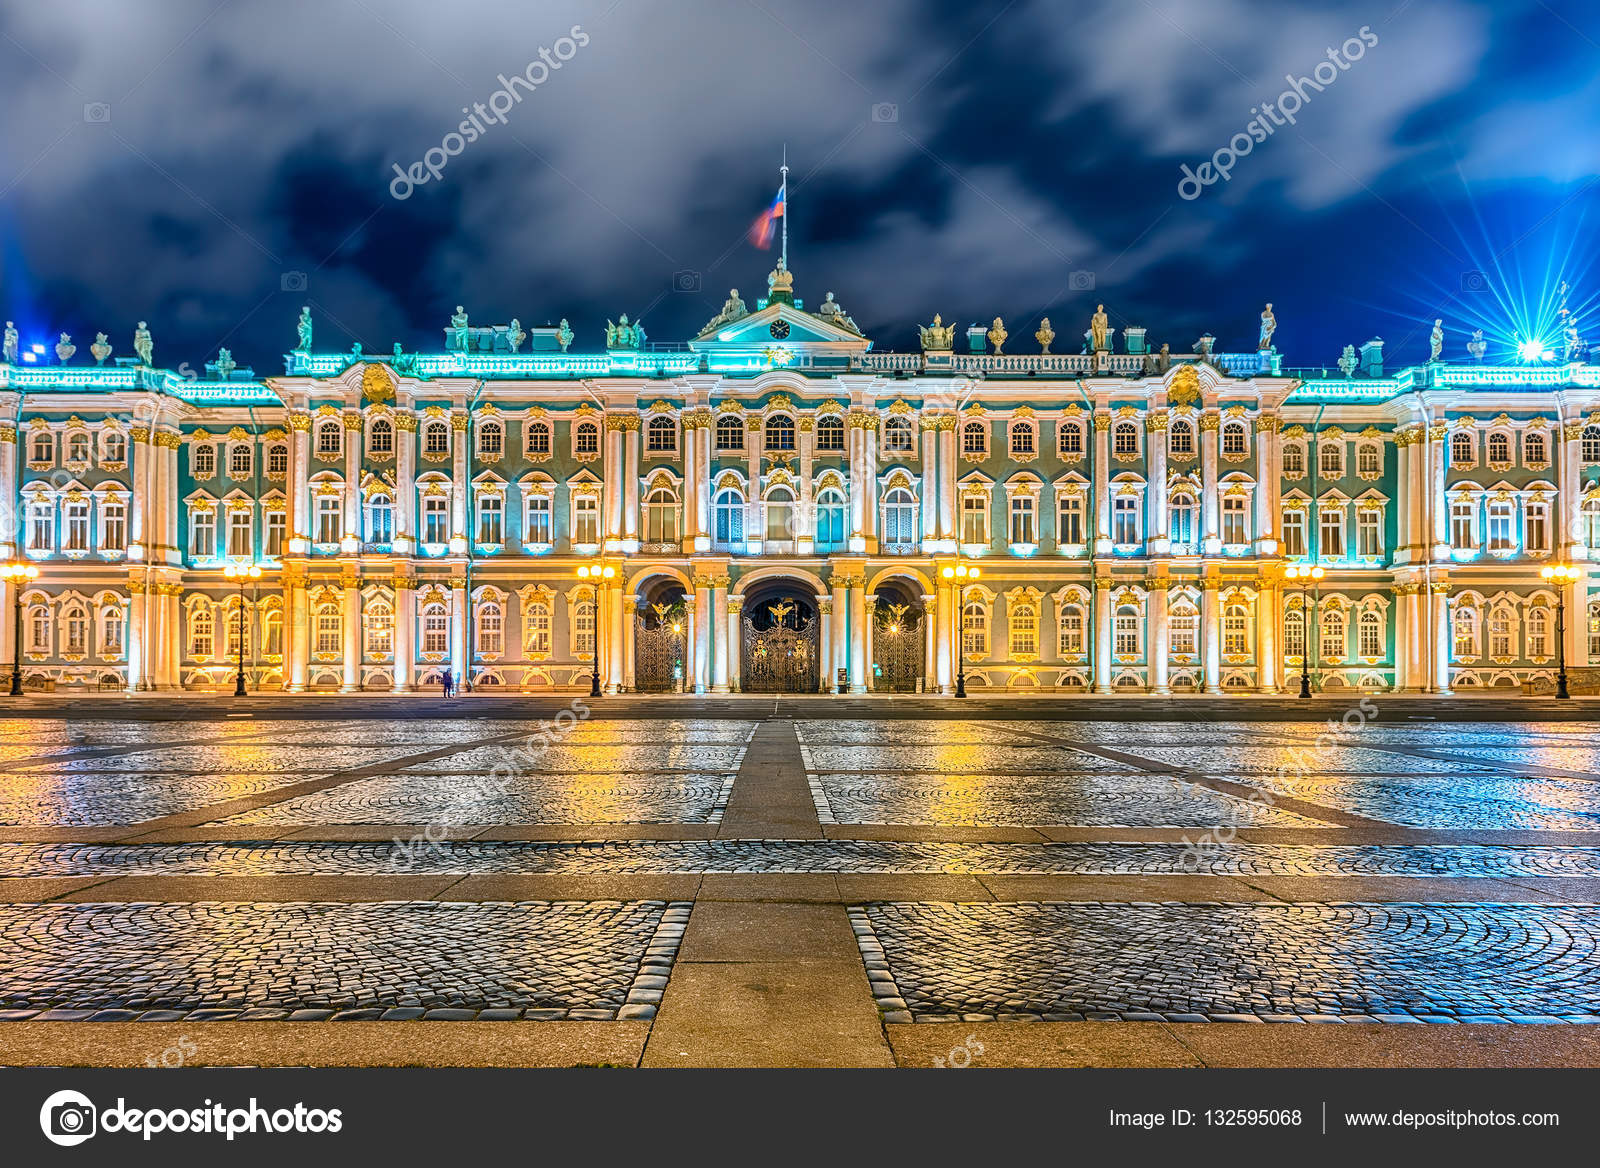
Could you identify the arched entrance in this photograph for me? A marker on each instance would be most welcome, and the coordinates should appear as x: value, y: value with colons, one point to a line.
x: 780, y: 650
x: 660, y: 660
x: 899, y: 640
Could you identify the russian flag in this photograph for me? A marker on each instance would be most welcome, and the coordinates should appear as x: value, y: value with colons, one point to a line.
x: 761, y: 230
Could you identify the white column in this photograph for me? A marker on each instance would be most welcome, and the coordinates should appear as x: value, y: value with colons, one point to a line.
x: 405, y: 517
x: 858, y: 480
x: 719, y: 653
x: 1569, y: 507
x: 10, y: 483
x: 703, y: 634
x: 1102, y: 635
x: 459, y: 653
x: 1438, y: 458
x: 868, y: 628
x: 1268, y: 474
x: 297, y: 634
x: 930, y: 653
x: 734, y: 633
x: 930, y: 484
x: 692, y: 471
x: 405, y: 634
x: 838, y: 657
x: 1441, y: 633
x: 300, y: 520
x: 1211, y: 628
x: 1269, y: 658
x: 1209, y: 498
x: 1405, y: 676
x: 460, y: 489
x: 1157, y: 536
x: 615, y: 617
x: 858, y: 635
x: 352, y: 634
x: 1102, y: 491
x: 630, y: 612
x: 948, y: 637
x: 1159, y: 640
x: 630, y: 483
x: 352, y: 478
x: 870, y: 485
x: 702, y: 499
x: 136, y: 637
x: 948, y: 474
x: 612, y: 474
x: 1408, y: 509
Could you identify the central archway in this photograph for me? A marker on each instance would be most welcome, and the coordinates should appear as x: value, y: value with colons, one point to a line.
x: 780, y: 649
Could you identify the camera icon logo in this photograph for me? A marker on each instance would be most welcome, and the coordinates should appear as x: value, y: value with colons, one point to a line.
x: 885, y: 111
x: 1474, y: 281
x: 96, y: 111
x: 67, y: 1118
x: 686, y: 280
x: 292, y: 282
x: 1080, y: 281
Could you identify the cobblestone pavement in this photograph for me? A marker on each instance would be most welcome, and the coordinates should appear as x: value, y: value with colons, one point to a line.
x: 1090, y: 800
x: 1226, y: 962
x: 1454, y: 802
x: 83, y: 799
x: 796, y: 855
x: 596, y: 960
x: 457, y: 799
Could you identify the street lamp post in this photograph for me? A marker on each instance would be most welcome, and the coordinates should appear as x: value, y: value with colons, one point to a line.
x: 1561, y: 575
x: 965, y: 575
x: 241, y: 573
x: 599, y: 573
x: 18, y: 572
x: 1302, y: 575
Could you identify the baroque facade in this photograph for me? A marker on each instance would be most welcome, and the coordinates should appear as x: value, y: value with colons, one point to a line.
x: 778, y: 503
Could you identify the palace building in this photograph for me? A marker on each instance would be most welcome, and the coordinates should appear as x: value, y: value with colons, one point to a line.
x: 778, y: 505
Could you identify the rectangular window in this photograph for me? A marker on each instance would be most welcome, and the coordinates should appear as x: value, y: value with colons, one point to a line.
x: 77, y: 525
x: 1536, y: 527
x: 1125, y: 520
x: 586, y: 519
x: 975, y: 519
x: 1069, y: 531
x: 114, y: 526
x: 330, y: 630
x: 1332, y: 531
x: 330, y: 518
x: 1501, y: 538
x: 1023, y: 530
x: 41, y: 526
x: 1185, y: 633
x: 491, y: 525
x: 203, y: 534
x: 435, y: 519
x: 1370, y: 636
x: 435, y: 630
x: 277, y: 525
x: 1369, y: 533
x: 1127, y: 634
x: 1233, y: 520
x: 539, y: 519
x: 1462, y: 513
x: 239, y: 541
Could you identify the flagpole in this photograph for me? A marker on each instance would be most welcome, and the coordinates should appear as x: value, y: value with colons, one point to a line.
x: 783, y: 188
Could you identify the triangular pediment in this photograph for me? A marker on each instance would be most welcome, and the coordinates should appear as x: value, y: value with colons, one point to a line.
x: 779, y: 324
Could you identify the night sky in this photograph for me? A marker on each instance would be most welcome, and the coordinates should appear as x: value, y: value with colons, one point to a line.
x: 191, y: 164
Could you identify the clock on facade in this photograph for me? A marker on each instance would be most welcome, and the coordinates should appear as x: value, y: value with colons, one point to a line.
x: 779, y: 329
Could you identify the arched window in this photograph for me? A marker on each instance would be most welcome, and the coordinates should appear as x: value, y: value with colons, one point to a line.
x: 1591, y: 444
x: 1180, y: 440
x: 1370, y: 634
x: 239, y: 459
x: 1461, y: 448
x: 728, y: 517
x: 830, y: 534
x: 662, y: 435
x: 1534, y: 450
x: 1333, y: 646
x: 1069, y: 440
x: 1125, y: 438
x: 1236, y: 629
x: 830, y: 432
x: 1125, y: 628
x: 1330, y: 459
x: 75, y: 630
x: 1183, y: 515
x: 1234, y: 441
x: 1024, y: 629
x: 235, y: 631
x: 780, y: 514
x: 435, y: 438
x: 536, y: 622
x: 202, y: 632
x: 380, y: 518
x: 491, y: 629
x: 1369, y: 460
x: 1499, y: 447
x: 583, y: 627
x: 586, y: 438
x: 272, y: 633
x: 975, y: 629
x: 113, y: 624
x: 1294, y: 460
x: 1294, y: 634
x: 730, y: 432
x: 661, y: 517
x: 1591, y: 523
x: 1539, y: 632
x: 780, y: 432
x: 899, y: 521
x: 1183, y: 630
x: 491, y: 439
x: 204, y: 461
x: 278, y: 459
x: 897, y: 436
x: 78, y: 446
x: 1022, y: 440
x: 435, y: 628
x: 329, y: 629
x: 536, y: 437
x: 44, y: 447
x: 1502, y: 632
x: 1466, y: 625
x: 377, y: 625
x: 115, y: 448
x: 975, y: 438
x: 1594, y: 630
x: 330, y: 438
x: 39, y: 632
x: 1070, y: 630
x: 381, y: 439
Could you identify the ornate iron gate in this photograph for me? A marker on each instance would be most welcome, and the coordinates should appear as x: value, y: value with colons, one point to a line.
x: 658, y: 657
x: 782, y: 658
x: 897, y: 650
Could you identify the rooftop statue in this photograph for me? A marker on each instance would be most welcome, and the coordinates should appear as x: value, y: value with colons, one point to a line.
x: 1164, y: 359
x: 143, y: 344
x: 1347, y: 361
x: 101, y: 349
x: 938, y: 337
x: 1269, y: 325
x: 11, y: 344
x: 831, y: 311
x: 623, y: 335
x: 458, y: 329
x: 1097, y: 329
x: 1436, y: 340
x: 225, y: 364
x: 997, y: 335
x: 732, y: 309
x: 304, y: 329
x: 780, y: 279
x: 1576, y: 346
x: 516, y: 334
x: 1045, y: 335
x: 65, y: 348
x: 1203, y: 346
x: 1476, y: 345
x: 564, y: 334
